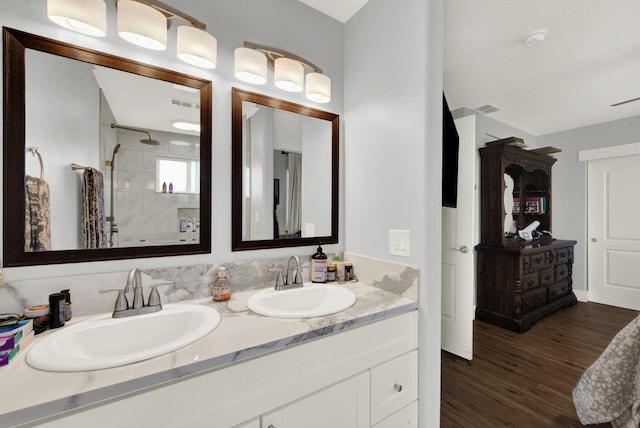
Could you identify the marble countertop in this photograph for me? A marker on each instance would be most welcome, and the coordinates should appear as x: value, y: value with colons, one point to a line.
x: 29, y: 394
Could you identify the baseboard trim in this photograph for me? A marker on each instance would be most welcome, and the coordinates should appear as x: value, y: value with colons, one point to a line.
x: 581, y: 295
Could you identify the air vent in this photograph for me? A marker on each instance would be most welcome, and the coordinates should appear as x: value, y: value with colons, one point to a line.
x: 185, y: 104
x: 487, y: 109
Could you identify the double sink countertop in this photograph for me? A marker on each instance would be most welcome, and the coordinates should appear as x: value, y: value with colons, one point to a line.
x: 30, y: 394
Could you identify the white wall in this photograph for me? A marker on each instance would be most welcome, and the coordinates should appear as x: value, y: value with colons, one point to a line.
x: 570, y: 181
x: 316, y: 180
x: 77, y: 96
x: 393, y: 154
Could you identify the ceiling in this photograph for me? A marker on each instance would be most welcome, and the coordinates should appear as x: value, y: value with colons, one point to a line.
x: 589, y: 60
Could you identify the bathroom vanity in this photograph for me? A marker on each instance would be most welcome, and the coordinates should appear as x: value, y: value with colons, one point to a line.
x: 356, y: 368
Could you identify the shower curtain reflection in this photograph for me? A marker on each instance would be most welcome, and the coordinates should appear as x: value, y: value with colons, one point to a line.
x: 294, y: 194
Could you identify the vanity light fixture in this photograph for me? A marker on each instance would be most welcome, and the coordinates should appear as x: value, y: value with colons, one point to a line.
x: 142, y: 25
x: 288, y: 75
x: 197, y: 47
x: 250, y: 65
x: 83, y: 16
x: 141, y: 22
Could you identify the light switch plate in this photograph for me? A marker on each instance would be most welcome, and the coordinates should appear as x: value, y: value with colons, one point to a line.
x: 400, y: 243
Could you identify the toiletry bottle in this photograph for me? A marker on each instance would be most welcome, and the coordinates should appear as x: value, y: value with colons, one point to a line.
x: 170, y: 187
x: 331, y: 272
x: 319, y: 266
x: 164, y: 187
x: 56, y: 303
x: 332, y: 268
x: 221, y: 289
x: 67, y: 304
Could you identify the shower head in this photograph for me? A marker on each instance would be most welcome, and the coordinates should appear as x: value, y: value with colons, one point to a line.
x: 111, y: 163
x: 149, y: 141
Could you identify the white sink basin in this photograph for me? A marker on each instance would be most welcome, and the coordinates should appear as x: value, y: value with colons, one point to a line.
x: 314, y: 300
x: 103, y: 342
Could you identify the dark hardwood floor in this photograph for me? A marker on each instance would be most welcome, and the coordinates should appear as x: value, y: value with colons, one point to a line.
x: 526, y: 380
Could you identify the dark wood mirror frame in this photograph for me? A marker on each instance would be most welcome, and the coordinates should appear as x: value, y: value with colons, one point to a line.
x: 237, y: 244
x: 14, y: 44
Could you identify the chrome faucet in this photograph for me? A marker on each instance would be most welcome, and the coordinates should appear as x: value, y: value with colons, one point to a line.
x: 134, y: 284
x: 294, y: 276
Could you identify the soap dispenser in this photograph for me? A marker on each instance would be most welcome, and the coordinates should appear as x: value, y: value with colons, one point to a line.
x: 221, y: 288
x: 319, y: 266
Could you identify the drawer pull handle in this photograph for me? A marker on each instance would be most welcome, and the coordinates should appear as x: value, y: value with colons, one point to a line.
x: 271, y: 426
x: 397, y: 387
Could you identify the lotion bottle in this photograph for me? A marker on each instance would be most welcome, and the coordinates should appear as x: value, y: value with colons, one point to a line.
x: 221, y: 288
x: 319, y: 266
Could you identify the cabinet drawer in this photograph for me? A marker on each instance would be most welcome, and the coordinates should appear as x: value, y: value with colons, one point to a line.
x: 547, y: 277
x: 394, y: 385
x: 536, y: 262
x: 534, y: 299
x: 563, y: 255
x: 405, y: 418
x: 557, y: 290
x: 562, y: 272
x: 529, y: 281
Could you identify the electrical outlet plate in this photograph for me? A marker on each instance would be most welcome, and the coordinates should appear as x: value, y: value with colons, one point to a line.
x: 400, y: 243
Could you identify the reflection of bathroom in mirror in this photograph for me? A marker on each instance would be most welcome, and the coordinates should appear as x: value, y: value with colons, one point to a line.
x: 128, y: 118
x: 116, y: 163
x: 287, y: 156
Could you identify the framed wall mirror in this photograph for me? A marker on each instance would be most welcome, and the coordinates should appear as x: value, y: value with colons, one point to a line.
x: 95, y: 166
x: 285, y: 173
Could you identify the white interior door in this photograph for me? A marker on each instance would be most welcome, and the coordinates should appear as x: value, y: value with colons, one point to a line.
x: 614, y: 231
x: 458, y: 260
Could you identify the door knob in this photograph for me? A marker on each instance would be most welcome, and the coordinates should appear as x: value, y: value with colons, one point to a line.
x: 594, y: 239
x: 464, y: 249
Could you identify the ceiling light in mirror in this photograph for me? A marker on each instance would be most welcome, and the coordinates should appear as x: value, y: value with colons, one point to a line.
x: 142, y: 25
x: 318, y: 87
x: 83, y: 16
x: 186, y: 126
x: 186, y: 89
x: 288, y: 75
x: 197, y: 47
x: 180, y: 143
x: 250, y: 66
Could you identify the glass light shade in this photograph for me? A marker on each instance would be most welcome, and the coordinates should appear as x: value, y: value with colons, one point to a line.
x: 142, y: 25
x: 197, y: 47
x: 318, y: 87
x: 84, y: 16
x: 288, y: 75
x: 250, y: 65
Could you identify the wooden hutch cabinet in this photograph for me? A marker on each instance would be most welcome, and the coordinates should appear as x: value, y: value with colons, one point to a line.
x: 519, y: 282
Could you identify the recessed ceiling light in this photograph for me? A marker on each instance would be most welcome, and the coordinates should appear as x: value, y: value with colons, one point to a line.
x: 534, y: 38
x: 186, y: 89
x: 186, y: 126
x: 179, y: 143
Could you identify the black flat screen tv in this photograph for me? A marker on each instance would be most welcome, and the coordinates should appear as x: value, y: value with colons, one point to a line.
x: 450, y: 145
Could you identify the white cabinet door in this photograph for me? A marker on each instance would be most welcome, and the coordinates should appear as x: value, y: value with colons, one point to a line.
x: 344, y: 405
